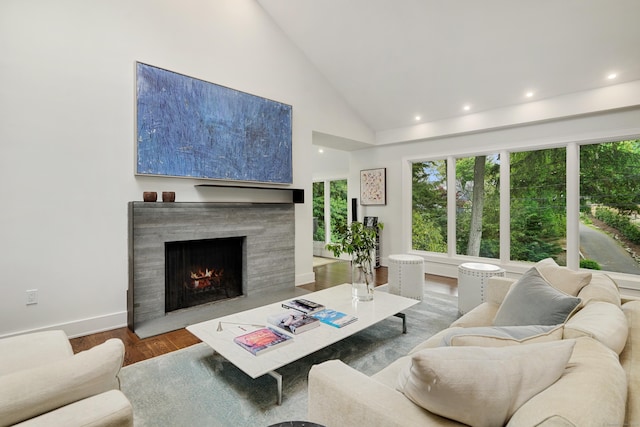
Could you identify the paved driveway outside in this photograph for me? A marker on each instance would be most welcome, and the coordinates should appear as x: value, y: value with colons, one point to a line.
x: 608, y: 252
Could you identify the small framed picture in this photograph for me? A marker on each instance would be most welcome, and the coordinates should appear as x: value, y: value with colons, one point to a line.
x: 373, y: 186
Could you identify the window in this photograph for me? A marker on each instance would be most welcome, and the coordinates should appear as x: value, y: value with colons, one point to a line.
x: 429, y: 212
x: 609, y: 206
x: 538, y: 205
x: 338, y: 197
x: 478, y: 206
x: 336, y: 201
x: 605, y: 235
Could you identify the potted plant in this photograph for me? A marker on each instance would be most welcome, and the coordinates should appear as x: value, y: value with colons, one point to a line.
x: 358, y: 241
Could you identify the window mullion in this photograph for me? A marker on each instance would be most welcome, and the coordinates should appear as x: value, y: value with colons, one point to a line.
x: 451, y: 206
x: 505, y: 207
x: 573, y: 206
x: 327, y: 212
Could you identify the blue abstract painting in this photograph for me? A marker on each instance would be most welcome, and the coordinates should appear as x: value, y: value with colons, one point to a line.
x: 191, y: 128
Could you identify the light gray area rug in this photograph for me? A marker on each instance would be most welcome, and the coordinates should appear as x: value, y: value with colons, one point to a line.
x: 194, y: 387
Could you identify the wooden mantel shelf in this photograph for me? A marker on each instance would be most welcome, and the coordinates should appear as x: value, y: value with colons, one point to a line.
x: 297, y: 194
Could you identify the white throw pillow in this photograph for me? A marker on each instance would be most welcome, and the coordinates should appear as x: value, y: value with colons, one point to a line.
x: 482, y: 386
x: 568, y: 281
x: 533, y: 301
x: 602, y: 321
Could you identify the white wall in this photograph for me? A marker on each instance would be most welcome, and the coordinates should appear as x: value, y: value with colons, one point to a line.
x: 67, y: 164
x: 607, y: 98
x: 329, y: 164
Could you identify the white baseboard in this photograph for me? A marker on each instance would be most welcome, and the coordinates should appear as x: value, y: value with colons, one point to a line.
x: 303, y: 279
x: 79, y: 328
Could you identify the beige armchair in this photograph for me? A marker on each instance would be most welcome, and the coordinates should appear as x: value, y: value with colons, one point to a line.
x: 42, y: 383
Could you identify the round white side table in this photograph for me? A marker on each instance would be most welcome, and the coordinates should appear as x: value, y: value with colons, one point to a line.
x: 406, y: 276
x: 472, y: 279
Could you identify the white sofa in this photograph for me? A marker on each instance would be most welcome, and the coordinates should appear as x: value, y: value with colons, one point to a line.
x: 597, y: 387
x: 42, y: 383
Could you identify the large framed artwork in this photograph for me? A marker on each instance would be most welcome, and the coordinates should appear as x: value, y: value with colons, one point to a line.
x: 188, y: 127
x: 373, y: 186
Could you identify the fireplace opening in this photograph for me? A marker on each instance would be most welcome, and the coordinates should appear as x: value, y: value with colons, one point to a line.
x: 202, y: 271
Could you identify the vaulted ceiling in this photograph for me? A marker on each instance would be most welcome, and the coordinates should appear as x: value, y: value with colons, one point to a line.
x: 396, y: 60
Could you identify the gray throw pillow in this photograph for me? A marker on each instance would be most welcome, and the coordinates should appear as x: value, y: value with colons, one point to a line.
x: 533, y: 301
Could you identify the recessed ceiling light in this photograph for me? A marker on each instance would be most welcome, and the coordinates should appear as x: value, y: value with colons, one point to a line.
x: 529, y: 94
x: 466, y: 107
x: 612, y: 76
x: 418, y: 118
x: 320, y: 150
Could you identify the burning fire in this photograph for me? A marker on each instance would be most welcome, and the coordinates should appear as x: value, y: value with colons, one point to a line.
x: 204, y: 279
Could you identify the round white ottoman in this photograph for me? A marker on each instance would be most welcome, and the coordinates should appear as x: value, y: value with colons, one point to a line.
x: 406, y: 276
x: 472, y: 279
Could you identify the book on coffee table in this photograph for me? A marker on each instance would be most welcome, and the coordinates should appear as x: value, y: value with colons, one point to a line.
x: 262, y: 340
x: 293, y: 321
x: 337, y: 319
x: 303, y: 305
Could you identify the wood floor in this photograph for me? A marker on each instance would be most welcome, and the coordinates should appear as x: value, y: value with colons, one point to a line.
x: 328, y: 275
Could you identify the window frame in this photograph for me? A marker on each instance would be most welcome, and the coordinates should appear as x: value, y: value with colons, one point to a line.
x: 572, y: 168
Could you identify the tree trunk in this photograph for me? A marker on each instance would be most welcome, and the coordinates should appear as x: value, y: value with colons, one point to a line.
x: 475, y: 229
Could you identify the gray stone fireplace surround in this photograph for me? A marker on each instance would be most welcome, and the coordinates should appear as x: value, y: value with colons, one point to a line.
x: 268, y: 257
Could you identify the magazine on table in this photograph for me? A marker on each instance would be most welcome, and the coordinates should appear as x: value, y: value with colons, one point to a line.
x: 303, y: 305
x: 293, y: 321
x: 334, y: 318
x: 262, y: 340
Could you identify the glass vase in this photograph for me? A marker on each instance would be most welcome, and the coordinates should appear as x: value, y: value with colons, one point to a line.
x: 362, y: 283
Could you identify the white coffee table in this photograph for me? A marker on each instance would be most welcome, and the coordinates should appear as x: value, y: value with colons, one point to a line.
x: 337, y: 298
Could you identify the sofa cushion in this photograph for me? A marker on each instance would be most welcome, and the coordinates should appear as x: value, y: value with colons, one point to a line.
x: 499, y: 336
x: 28, y: 350
x: 601, y: 288
x: 340, y: 395
x: 629, y: 359
x: 481, y: 315
x: 108, y: 409
x: 31, y: 392
x: 591, y: 392
x: 533, y: 301
x: 568, y: 281
x: 602, y: 321
x: 435, y: 340
x: 497, y: 288
x: 482, y: 386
